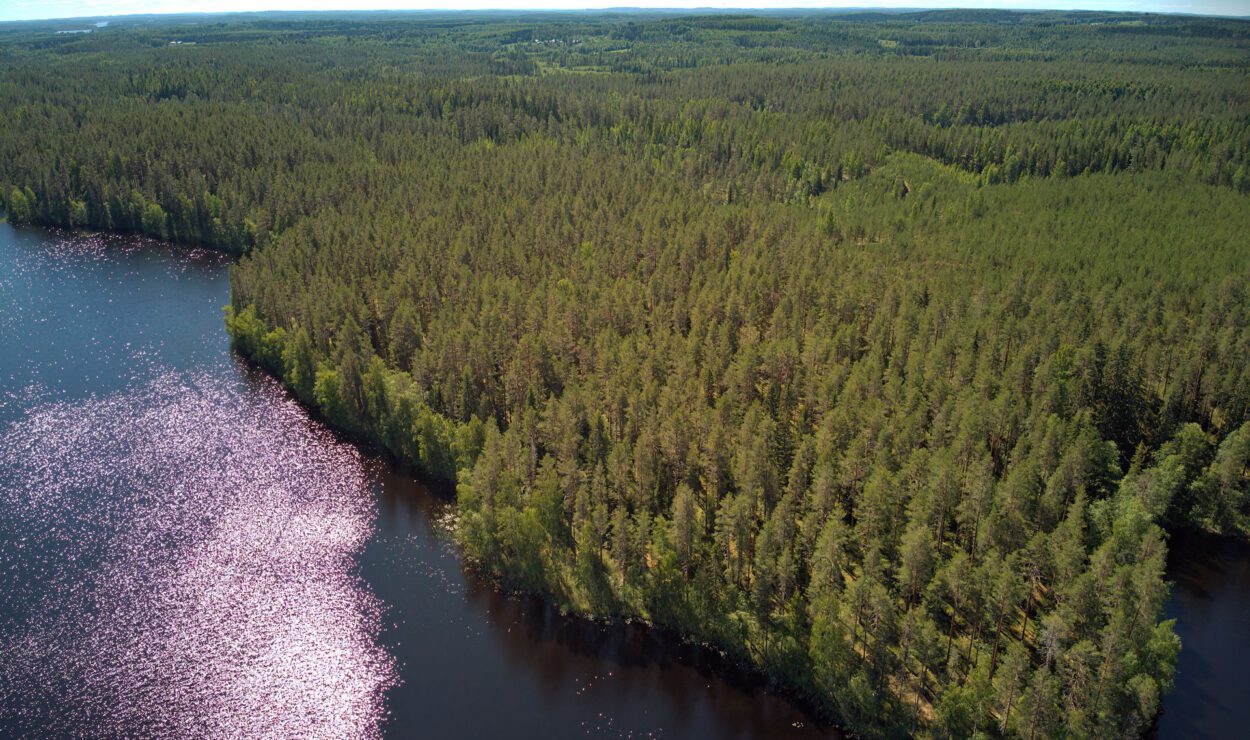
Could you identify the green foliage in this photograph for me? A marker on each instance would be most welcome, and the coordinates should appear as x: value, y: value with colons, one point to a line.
x: 19, y: 209
x: 254, y: 339
x: 876, y: 350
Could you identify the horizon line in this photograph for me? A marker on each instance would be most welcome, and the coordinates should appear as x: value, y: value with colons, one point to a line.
x: 711, y: 9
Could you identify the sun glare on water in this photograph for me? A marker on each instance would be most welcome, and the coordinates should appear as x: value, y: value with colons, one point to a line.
x: 179, y: 564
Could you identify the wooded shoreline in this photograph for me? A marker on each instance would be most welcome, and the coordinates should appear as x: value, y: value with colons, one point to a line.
x: 880, y: 352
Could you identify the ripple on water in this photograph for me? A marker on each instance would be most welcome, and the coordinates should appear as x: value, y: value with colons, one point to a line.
x: 179, y: 560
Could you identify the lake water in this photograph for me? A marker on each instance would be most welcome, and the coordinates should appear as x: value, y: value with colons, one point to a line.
x: 183, y: 551
x: 1211, y: 605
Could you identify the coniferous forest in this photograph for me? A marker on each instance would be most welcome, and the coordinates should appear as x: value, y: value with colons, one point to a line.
x: 883, y: 352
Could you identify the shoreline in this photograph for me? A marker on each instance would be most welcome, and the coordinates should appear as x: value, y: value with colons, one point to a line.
x: 736, y: 670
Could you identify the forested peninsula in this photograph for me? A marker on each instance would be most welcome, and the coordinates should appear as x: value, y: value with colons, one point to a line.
x: 881, y: 351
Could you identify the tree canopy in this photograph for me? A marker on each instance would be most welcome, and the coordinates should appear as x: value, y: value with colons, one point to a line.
x: 881, y: 351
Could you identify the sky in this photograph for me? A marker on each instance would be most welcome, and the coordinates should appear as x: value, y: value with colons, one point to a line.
x: 39, y: 9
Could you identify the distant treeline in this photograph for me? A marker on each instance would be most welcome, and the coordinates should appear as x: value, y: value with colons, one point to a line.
x: 880, y: 351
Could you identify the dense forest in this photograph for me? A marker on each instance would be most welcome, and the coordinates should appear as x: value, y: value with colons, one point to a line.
x: 882, y: 352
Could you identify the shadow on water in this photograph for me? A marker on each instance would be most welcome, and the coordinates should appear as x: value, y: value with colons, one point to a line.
x: 545, y: 672
x: 478, y: 662
x: 555, y: 646
x: 1211, y: 603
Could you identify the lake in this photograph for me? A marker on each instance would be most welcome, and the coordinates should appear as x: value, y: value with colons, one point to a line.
x: 183, y: 551
x: 1211, y: 605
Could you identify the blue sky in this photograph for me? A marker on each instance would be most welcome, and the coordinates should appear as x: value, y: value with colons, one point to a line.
x: 35, y: 9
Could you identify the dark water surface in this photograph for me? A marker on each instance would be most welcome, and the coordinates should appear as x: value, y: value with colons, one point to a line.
x: 1211, y: 605
x: 183, y: 552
